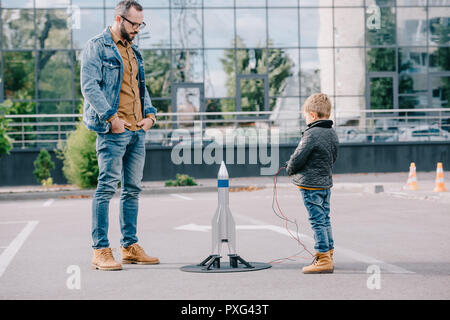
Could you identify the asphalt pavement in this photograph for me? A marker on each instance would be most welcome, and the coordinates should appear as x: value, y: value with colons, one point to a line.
x: 391, y: 243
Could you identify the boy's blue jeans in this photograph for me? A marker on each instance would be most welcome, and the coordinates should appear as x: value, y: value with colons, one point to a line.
x: 317, y: 202
x: 121, y: 157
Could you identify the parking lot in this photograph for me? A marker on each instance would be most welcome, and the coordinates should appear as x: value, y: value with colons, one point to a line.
x: 388, y: 246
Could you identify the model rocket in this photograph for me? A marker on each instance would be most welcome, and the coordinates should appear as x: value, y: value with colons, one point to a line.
x: 223, y: 226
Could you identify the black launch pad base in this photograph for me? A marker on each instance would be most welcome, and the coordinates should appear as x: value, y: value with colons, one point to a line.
x: 212, y: 264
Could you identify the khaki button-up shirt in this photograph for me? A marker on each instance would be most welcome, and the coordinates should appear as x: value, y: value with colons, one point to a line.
x: 129, y: 102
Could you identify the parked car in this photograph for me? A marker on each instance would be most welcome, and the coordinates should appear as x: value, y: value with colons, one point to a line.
x: 423, y: 133
x: 351, y: 135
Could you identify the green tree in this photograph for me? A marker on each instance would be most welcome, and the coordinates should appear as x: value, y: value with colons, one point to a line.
x: 157, y: 77
x: 42, y: 166
x: 274, y: 62
x: 382, y: 59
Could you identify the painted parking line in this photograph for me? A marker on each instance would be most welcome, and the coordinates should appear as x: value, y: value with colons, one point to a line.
x: 258, y: 225
x: 48, y: 203
x: 180, y: 196
x: 10, y: 251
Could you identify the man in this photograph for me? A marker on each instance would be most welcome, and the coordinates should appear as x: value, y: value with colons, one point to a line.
x: 117, y: 106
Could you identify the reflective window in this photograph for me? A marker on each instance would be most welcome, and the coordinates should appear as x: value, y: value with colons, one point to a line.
x: 316, y: 71
x: 187, y: 65
x: 219, y: 28
x: 154, y: 3
x: 412, y: 67
x: 251, y: 61
x: 91, y: 24
x: 316, y: 27
x: 350, y: 71
x: 438, y: 2
x: 348, y: 31
x: 17, y: 4
x: 401, y: 3
x: 439, y: 59
x: 54, y: 71
x: 52, y: 3
x: 218, y: 3
x: 18, y: 68
x: 381, y: 92
x: 283, y: 3
x: 52, y: 29
x: 157, y: 72
x: 386, y: 3
x: 186, y: 3
x: 440, y: 91
x: 439, y: 22
x: 157, y: 31
x: 411, y: 26
x: 283, y: 72
x: 18, y: 28
x: 315, y: 3
x: 250, y: 3
x: 412, y: 102
x: 219, y: 71
x: 349, y: 107
x: 283, y: 27
x: 380, y: 59
x: 88, y: 3
x: 251, y: 27
x: 349, y: 3
x: 381, y: 31
x: 186, y: 28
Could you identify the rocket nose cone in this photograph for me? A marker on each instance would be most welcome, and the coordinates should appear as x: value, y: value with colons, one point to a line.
x: 223, y: 173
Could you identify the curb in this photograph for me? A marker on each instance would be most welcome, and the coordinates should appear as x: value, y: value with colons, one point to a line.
x: 80, y: 194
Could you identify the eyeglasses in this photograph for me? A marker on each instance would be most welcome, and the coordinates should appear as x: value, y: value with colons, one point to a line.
x: 134, y: 24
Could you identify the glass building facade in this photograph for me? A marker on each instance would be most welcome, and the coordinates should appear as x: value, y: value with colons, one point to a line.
x: 247, y: 55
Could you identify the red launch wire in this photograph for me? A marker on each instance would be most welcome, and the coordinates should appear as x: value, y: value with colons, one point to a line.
x: 286, y: 220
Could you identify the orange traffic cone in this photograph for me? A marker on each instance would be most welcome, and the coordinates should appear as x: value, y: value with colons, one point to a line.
x: 411, y: 184
x: 440, y: 187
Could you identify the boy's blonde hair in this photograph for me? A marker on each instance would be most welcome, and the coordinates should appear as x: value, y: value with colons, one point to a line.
x: 319, y: 103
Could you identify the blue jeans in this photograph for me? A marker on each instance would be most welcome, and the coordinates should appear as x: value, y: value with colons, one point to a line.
x: 121, y: 157
x: 317, y: 202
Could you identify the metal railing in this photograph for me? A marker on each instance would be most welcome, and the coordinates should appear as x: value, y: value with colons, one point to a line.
x: 352, y: 126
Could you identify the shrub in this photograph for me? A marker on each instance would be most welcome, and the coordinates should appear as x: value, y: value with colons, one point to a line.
x: 80, y: 166
x: 42, y: 166
x: 5, y: 140
x: 181, y: 180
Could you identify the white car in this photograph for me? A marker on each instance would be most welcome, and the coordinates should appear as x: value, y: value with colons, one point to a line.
x: 423, y: 133
x: 351, y: 135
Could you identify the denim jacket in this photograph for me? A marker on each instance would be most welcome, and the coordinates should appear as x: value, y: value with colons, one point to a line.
x: 101, y: 80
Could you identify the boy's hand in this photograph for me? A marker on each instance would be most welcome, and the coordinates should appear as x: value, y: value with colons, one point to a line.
x: 288, y: 169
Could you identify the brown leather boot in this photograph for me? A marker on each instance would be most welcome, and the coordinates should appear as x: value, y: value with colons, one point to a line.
x: 322, y: 264
x: 104, y: 260
x: 136, y: 255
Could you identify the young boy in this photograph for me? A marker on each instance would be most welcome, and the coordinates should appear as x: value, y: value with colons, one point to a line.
x: 310, y: 167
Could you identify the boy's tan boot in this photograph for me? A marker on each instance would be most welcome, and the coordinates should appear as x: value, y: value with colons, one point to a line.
x: 322, y: 264
x: 104, y: 260
x: 135, y: 254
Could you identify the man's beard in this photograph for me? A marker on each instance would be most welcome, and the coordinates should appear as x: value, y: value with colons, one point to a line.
x: 125, y: 34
